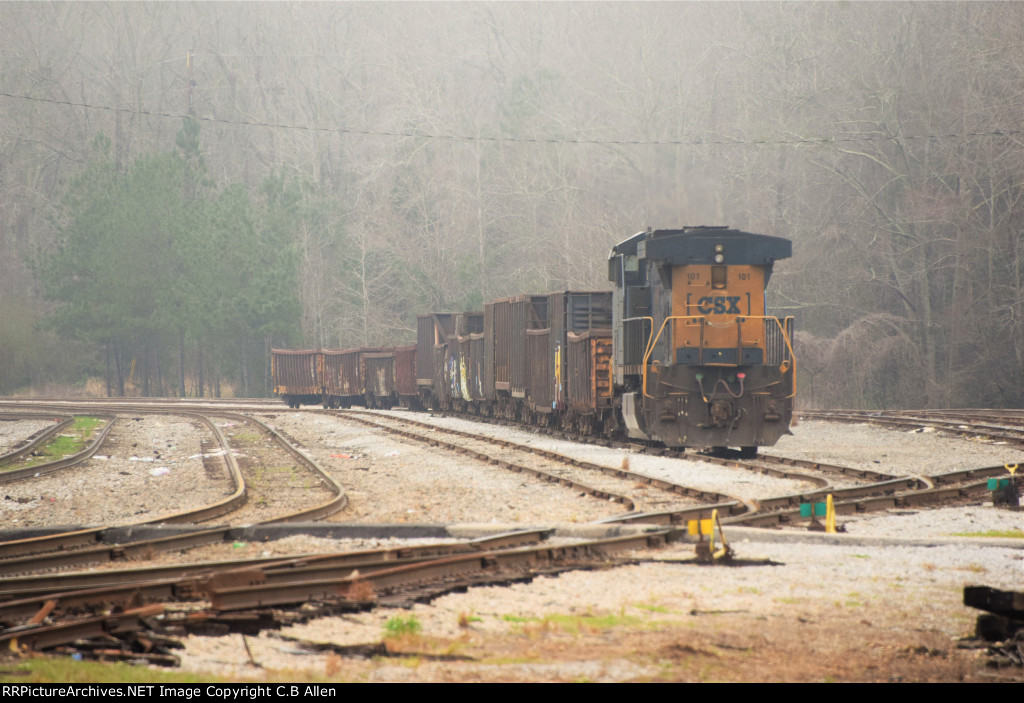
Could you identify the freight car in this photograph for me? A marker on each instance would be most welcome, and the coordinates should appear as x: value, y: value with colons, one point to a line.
x: 298, y: 376
x: 680, y: 352
x: 377, y: 377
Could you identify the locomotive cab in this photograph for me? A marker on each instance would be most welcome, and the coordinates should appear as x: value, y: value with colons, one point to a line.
x: 697, y: 360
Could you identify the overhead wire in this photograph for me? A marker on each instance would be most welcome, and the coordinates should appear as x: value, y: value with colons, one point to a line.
x: 835, y: 139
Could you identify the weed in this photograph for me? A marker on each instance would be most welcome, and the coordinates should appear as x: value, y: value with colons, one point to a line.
x: 362, y: 591
x: 333, y: 665
x: 591, y: 623
x: 651, y: 608
x: 515, y: 618
x: 466, y: 618
x: 400, y: 626
x: 64, y: 670
x: 411, y: 662
x: 85, y: 425
x: 65, y: 444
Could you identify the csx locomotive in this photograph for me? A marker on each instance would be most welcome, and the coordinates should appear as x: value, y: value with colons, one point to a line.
x: 680, y: 352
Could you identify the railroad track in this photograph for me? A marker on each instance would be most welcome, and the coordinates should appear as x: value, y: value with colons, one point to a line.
x: 48, y: 611
x: 630, y: 489
x: 35, y: 440
x: 872, y: 491
x: 279, y: 475
x: 81, y: 547
x: 881, y: 491
x: 240, y: 594
x: 10, y: 472
x: 1007, y: 427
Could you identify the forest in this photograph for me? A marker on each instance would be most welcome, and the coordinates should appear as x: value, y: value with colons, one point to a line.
x: 185, y: 185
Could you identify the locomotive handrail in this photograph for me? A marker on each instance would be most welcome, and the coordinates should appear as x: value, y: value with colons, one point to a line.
x: 652, y: 341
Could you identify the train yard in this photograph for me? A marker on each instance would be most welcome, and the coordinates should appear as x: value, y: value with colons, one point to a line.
x: 390, y: 545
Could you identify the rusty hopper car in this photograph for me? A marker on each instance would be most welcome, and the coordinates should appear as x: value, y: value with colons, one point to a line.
x: 379, y: 378
x: 298, y: 376
x: 697, y: 362
x: 432, y: 332
x: 343, y: 378
x: 552, y: 378
x: 405, y: 376
x: 459, y: 362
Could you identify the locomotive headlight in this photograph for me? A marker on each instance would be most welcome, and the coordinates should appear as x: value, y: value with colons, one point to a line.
x: 719, y: 248
x: 719, y: 258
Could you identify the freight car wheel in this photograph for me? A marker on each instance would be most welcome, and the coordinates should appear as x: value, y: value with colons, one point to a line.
x: 748, y: 452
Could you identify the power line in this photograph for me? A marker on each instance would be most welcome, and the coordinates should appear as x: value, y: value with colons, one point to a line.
x: 529, y: 140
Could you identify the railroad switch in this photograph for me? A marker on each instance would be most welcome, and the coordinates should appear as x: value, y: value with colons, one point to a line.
x: 1005, y: 492
x: 826, y: 509
x: 706, y: 552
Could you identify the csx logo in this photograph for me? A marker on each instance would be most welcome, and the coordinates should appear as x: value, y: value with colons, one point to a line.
x: 719, y: 305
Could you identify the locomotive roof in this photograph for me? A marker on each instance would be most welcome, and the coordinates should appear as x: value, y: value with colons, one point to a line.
x: 697, y: 245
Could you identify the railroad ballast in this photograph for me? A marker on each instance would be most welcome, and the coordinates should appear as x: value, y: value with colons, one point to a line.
x: 680, y: 351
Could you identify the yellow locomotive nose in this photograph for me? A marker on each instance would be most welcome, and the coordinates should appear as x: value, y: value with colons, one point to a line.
x: 699, y: 361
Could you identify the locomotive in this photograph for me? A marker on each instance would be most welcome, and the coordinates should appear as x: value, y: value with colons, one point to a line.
x: 680, y: 352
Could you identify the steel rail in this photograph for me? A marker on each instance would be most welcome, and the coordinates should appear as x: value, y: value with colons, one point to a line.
x: 1010, y: 434
x: 52, y: 551
x: 848, y: 471
x: 119, y: 588
x: 898, y: 492
x: 338, y: 501
x: 360, y: 587
x: 921, y: 498
x: 36, y: 439
x: 625, y: 474
x: 48, y: 544
x: 345, y: 585
x: 729, y: 462
x: 97, y: 626
x: 49, y: 467
x: 519, y: 468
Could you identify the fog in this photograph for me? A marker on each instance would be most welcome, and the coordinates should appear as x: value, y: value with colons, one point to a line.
x: 357, y: 164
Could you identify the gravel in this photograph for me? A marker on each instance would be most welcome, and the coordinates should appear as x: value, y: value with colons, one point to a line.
x: 866, y: 589
x: 903, y: 590
x: 388, y: 479
x: 13, y: 432
x: 737, y: 483
x: 898, y: 452
x: 148, y: 468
